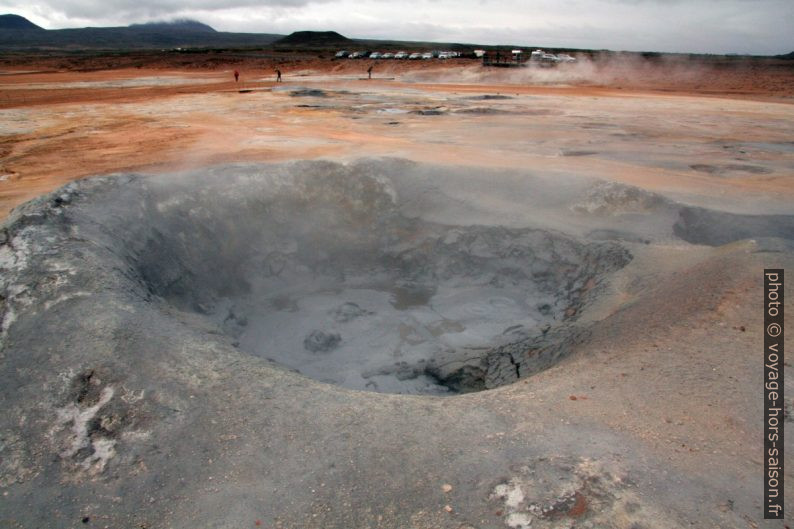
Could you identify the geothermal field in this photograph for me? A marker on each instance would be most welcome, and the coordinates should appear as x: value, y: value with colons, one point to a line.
x: 452, y: 296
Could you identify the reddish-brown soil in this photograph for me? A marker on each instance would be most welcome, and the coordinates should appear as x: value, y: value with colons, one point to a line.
x: 71, y: 116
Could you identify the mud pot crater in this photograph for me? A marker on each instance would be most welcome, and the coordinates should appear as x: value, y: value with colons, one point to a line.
x: 316, y: 267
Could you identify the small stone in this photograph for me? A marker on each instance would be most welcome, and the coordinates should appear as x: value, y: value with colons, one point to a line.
x: 446, y: 487
x: 448, y: 508
x: 347, y: 311
x: 320, y: 341
x: 572, y: 397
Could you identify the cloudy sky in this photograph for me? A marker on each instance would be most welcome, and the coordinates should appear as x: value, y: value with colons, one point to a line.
x: 711, y: 26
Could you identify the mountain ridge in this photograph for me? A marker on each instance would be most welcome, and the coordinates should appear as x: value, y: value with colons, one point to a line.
x: 17, y: 22
x: 314, y: 38
x: 20, y: 34
x: 180, y: 24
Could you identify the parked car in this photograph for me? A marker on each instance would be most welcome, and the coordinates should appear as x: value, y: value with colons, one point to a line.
x: 564, y: 57
x: 546, y: 58
x: 342, y: 54
x: 427, y: 55
x: 415, y: 56
x: 375, y: 55
x: 357, y: 55
x: 387, y: 55
x: 401, y: 55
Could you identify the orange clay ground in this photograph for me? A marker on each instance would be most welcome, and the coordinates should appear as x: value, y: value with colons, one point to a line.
x: 695, y: 129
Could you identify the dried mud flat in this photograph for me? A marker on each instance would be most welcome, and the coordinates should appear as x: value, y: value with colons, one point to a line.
x: 590, y: 257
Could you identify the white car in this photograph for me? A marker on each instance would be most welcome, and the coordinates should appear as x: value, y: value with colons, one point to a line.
x: 357, y: 55
x: 375, y: 55
x: 387, y: 55
x: 427, y: 55
x: 341, y: 54
x: 564, y: 57
x: 401, y: 55
x: 415, y: 56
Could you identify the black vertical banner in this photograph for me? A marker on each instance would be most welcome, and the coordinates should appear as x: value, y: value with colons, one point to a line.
x: 773, y: 394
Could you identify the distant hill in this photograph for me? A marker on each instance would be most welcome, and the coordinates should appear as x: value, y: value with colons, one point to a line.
x: 311, y: 39
x: 175, y: 34
x: 18, y: 22
x: 175, y: 25
x: 786, y: 56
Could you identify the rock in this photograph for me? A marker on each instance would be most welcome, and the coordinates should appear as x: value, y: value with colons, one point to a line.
x: 347, y: 311
x: 321, y: 341
x: 446, y: 487
x: 613, y: 198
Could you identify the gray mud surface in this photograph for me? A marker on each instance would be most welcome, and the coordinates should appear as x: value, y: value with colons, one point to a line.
x: 152, y: 327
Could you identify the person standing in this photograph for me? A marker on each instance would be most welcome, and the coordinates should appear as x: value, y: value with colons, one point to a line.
x: 236, y: 76
x: 278, y: 75
x: 369, y: 71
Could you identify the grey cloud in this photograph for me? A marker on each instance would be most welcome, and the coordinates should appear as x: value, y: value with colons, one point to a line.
x: 130, y: 11
x: 716, y: 26
x: 137, y: 9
